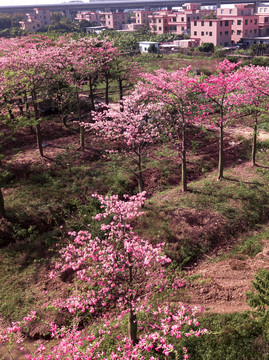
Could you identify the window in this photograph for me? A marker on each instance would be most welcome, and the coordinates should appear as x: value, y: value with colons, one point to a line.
x: 195, y: 33
x: 182, y: 19
x: 239, y: 22
x: 206, y: 33
x: 182, y: 28
x: 255, y: 21
x: 210, y: 33
x: 255, y: 31
x: 220, y: 33
x: 246, y: 22
x: 210, y: 23
x: 250, y: 31
x: 174, y: 19
x: 226, y: 32
x: 165, y: 20
x: 160, y: 20
x: 238, y: 32
x: 202, y: 23
x: 195, y: 23
x: 246, y: 32
x: 231, y: 11
x: 226, y: 23
x: 250, y: 21
x: 37, y: 25
x: 266, y: 19
x: 202, y: 33
x: 160, y: 29
x: 220, y: 23
x: 188, y: 19
x: 222, y: 11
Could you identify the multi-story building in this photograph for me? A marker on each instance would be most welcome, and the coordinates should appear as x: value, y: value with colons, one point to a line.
x: 91, y: 16
x: 113, y: 20
x: 244, y: 21
x: 141, y: 16
x: 158, y: 21
x: 263, y: 14
x: 176, y: 21
x: 216, y: 31
x: 37, y: 20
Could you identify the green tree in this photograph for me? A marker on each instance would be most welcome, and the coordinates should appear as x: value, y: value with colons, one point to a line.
x: 259, y: 298
x: 207, y: 47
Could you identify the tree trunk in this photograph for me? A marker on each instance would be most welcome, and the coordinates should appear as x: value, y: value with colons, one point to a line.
x: 184, y: 164
x: 132, y: 328
x: 254, y: 142
x: 140, y: 176
x: 107, y: 88
x: 81, y: 128
x: 91, y: 94
x: 37, y: 126
x: 121, y: 94
x: 39, y: 140
x: 220, y: 167
x: 132, y: 325
x: 2, y: 205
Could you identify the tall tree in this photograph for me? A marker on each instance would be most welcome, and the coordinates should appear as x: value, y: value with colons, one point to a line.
x: 220, y: 107
x: 173, y: 101
x: 254, y: 98
x: 130, y: 125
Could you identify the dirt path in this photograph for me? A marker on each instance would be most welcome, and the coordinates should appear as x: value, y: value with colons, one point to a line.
x: 221, y: 286
x: 247, y: 132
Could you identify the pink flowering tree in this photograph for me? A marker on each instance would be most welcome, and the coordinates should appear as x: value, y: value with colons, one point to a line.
x: 117, y: 273
x: 172, y: 100
x: 220, y: 107
x: 253, y: 98
x: 24, y: 65
x: 133, y: 127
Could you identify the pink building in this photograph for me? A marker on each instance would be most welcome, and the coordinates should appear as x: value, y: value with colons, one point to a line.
x: 263, y: 14
x: 90, y: 16
x: 141, y: 16
x: 214, y: 31
x: 113, y: 20
x: 244, y: 21
x: 158, y: 22
x: 37, y: 20
x: 176, y: 21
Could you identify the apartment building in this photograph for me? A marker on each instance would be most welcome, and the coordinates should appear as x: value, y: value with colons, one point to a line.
x: 216, y: 31
x: 244, y: 21
x: 36, y: 20
x: 141, y: 17
x: 263, y: 14
x: 91, y: 16
x: 176, y: 21
x: 158, y: 22
x: 113, y: 20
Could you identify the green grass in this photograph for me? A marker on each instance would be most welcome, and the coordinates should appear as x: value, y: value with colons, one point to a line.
x: 234, y: 206
x: 231, y: 336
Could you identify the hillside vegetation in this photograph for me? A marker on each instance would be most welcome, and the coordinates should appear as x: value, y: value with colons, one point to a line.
x: 214, y: 231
